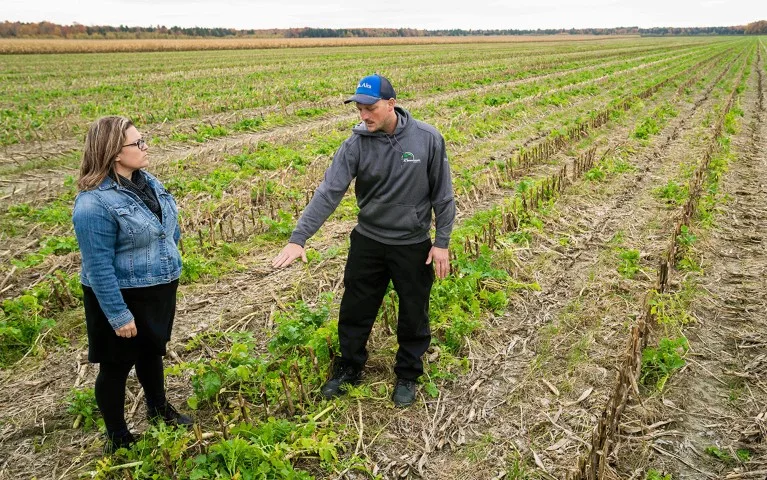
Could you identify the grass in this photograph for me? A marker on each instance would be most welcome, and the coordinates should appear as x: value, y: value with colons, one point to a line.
x: 741, y: 455
x: 653, y: 474
x: 659, y: 363
x: 81, y: 404
x: 629, y: 262
x: 672, y: 309
x: 477, y: 450
x: 653, y: 124
x: 672, y: 193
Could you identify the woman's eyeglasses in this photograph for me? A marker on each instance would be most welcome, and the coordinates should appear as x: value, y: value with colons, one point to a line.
x: 140, y: 143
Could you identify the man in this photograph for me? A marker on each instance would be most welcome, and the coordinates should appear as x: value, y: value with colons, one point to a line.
x: 402, y: 174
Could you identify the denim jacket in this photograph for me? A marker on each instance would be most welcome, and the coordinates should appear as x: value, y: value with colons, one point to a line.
x: 124, y: 245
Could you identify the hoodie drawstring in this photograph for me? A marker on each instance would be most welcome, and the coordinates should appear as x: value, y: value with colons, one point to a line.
x: 389, y: 137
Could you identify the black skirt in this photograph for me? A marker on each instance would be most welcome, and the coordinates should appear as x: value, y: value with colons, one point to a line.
x: 153, y: 309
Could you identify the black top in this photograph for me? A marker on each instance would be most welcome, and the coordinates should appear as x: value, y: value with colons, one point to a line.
x: 138, y: 185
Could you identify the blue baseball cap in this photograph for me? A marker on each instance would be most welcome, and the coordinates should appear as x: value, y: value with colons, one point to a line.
x: 372, y: 89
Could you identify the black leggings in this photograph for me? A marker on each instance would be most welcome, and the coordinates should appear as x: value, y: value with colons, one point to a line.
x: 110, y: 389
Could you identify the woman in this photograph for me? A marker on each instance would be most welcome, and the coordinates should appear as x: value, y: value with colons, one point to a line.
x: 127, y: 228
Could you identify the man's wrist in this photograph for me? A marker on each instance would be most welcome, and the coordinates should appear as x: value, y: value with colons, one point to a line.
x: 297, y: 241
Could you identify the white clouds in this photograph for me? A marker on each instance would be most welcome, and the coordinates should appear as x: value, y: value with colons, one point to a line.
x: 430, y: 14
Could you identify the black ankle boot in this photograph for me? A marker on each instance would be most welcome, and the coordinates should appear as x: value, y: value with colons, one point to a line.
x: 404, y: 393
x: 343, y: 376
x: 168, y: 414
x: 117, y: 441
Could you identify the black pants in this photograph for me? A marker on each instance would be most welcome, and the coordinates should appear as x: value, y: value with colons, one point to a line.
x: 110, y: 389
x: 369, y: 268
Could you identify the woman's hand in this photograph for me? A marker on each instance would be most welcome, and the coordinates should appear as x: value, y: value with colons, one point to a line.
x: 128, y: 330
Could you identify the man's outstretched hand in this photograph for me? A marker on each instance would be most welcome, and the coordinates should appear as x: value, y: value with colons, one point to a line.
x: 441, y: 259
x: 291, y: 252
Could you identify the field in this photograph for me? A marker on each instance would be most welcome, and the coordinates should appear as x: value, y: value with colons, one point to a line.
x: 30, y: 45
x: 605, y: 313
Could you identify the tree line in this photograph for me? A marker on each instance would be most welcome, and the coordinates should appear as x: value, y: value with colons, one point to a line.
x: 76, y: 31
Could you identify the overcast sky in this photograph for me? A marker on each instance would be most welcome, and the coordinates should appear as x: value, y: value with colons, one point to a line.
x: 428, y: 14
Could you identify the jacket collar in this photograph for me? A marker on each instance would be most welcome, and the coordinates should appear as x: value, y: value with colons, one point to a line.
x: 107, y: 183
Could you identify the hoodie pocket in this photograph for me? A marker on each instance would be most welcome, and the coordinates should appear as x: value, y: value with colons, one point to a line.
x: 390, y: 217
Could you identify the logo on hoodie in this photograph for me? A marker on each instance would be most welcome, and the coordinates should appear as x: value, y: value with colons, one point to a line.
x: 408, y: 157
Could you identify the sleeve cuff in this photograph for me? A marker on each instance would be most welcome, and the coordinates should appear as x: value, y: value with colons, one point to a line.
x: 442, y: 242
x: 121, y: 320
x: 297, y: 240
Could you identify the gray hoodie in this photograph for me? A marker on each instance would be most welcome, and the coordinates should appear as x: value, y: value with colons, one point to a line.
x: 400, y: 179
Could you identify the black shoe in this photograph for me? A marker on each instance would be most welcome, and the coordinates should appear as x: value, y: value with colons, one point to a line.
x: 168, y: 414
x: 343, y: 376
x: 116, y: 442
x: 404, y: 393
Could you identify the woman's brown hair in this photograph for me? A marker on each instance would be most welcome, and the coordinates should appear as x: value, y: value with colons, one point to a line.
x: 103, y: 142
